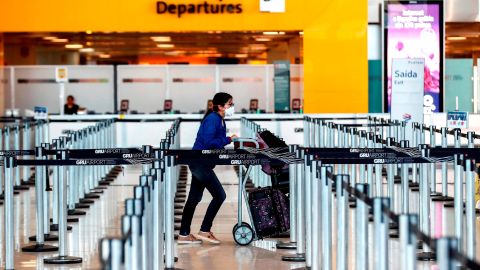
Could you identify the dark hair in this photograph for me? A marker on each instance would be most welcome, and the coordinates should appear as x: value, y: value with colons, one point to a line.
x: 220, y: 99
x: 70, y: 97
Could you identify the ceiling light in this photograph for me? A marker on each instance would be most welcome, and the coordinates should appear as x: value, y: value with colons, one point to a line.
x: 89, y: 43
x: 263, y: 39
x: 456, y: 38
x: 74, y: 46
x: 161, y: 39
x: 165, y: 46
x: 241, y: 55
x: 300, y: 33
x: 104, y: 55
x: 89, y: 32
x: 86, y: 50
x: 49, y: 38
x: 272, y: 33
x: 60, y: 40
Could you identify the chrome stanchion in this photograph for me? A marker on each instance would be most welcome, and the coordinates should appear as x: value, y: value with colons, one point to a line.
x: 433, y: 166
x: 361, y: 229
x: 309, y: 165
x: 458, y: 199
x: 315, y: 250
x: 9, y: 167
x: 16, y: 146
x: 444, y: 196
x: 427, y: 254
x: 362, y: 177
x: 470, y: 209
x: 381, y: 225
x: 300, y: 204
x: 342, y: 222
x: 408, y: 241
x: 292, y: 201
x: 158, y: 200
x: 40, y: 235
x: 445, y: 248
x: 326, y: 216
x: 62, y: 257
x: 169, y: 213
x: 370, y: 144
x: 405, y: 181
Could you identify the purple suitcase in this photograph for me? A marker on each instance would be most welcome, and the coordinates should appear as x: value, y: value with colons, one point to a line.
x: 270, y: 211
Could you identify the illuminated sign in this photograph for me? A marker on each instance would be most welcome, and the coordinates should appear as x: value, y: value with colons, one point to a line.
x: 204, y: 7
x: 415, y: 30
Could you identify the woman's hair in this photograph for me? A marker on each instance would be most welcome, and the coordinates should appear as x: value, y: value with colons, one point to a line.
x: 71, y: 97
x: 220, y: 99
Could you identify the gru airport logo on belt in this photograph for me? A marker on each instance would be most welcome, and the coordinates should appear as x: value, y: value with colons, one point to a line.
x: 204, y: 7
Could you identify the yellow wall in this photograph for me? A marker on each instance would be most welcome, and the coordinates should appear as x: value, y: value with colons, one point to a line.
x: 335, y: 35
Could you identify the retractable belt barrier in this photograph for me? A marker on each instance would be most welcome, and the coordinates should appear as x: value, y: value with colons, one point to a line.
x: 346, y: 157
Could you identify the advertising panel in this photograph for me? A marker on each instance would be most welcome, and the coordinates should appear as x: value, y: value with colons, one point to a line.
x: 415, y: 30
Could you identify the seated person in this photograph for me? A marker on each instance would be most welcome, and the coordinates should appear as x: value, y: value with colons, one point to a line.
x: 70, y: 107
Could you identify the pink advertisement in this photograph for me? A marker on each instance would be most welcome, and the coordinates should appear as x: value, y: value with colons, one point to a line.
x: 415, y: 30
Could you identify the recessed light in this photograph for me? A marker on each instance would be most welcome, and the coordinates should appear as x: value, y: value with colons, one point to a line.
x: 49, y: 38
x: 60, y: 40
x: 456, y: 38
x: 263, y: 39
x: 241, y: 55
x: 104, y: 55
x: 161, y: 39
x: 74, y: 46
x: 165, y: 46
x: 89, y: 32
x: 86, y: 50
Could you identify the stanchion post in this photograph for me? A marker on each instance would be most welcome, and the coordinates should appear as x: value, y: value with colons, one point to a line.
x: 381, y: 225
x: 408, y: 241
x: 62, y: 257
x: 445, y: 248
x: 315, y: 251
x: 458, y: 200
x: 326, y: 216
x: 342, y: 222
x: 405, y: 186
x: 9, y: 167
x: 361, y: 227
x: 470, y: 208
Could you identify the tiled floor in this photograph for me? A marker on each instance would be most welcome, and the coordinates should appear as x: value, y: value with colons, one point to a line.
x: 103, y: 217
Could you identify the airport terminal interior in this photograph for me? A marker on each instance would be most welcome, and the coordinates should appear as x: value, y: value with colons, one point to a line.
x: 240, y: 134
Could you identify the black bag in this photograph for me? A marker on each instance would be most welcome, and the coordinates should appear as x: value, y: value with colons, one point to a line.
x: 270, y: 212
x: 279, y: 173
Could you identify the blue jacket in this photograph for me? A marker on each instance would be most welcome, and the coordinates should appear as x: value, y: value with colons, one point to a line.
x: 212, y: 133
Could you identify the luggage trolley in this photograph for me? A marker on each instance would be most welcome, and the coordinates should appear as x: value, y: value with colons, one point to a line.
x: 244, y: 233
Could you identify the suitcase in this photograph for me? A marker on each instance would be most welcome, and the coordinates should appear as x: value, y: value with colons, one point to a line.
x: 270, y: 211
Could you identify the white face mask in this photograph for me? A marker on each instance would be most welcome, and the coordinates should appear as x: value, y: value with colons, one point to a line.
x: 230, y: 111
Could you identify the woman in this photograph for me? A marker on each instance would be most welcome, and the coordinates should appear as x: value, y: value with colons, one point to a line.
x: 70, y: 107
x: 211, y: 135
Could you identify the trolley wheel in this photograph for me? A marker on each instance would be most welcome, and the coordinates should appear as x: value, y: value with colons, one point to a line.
x: 236, y: 225
x: 243, y: 234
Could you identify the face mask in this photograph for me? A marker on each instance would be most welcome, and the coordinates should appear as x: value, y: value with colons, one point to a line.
x: 230, y: 111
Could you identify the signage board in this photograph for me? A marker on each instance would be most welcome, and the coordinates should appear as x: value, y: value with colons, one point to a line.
x: 407, y: 92
x: 457, y: 119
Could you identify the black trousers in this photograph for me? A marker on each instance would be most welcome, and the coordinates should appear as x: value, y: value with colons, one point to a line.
x: 202, y: 177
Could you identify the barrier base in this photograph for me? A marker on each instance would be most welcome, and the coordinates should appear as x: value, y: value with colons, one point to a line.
x: 21, y: 188
x: 104, y: 183
x: 27, y: 183
x: 178, y: 212
x: 62, y: 260
x: 415, y: 189
x: 46, y: 237
x: 294, y: 258
x: 101, y: 188
x: 96, y: 191
x: 86, y: 201
x: 394, y: 234
x: 413, y: 184
x: 73, y: 212
x: 393, y: 226
x: 40, y: 248
x: 54, y: 228
x: 180, y: 200
x: 178, y: 207
x: 442, y: 199
x: 92, y: 196
x: 426, y: 256
x: 68, y: 220
x: 81, y: 206
x: 287, y: 245
x: 435, y: 194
